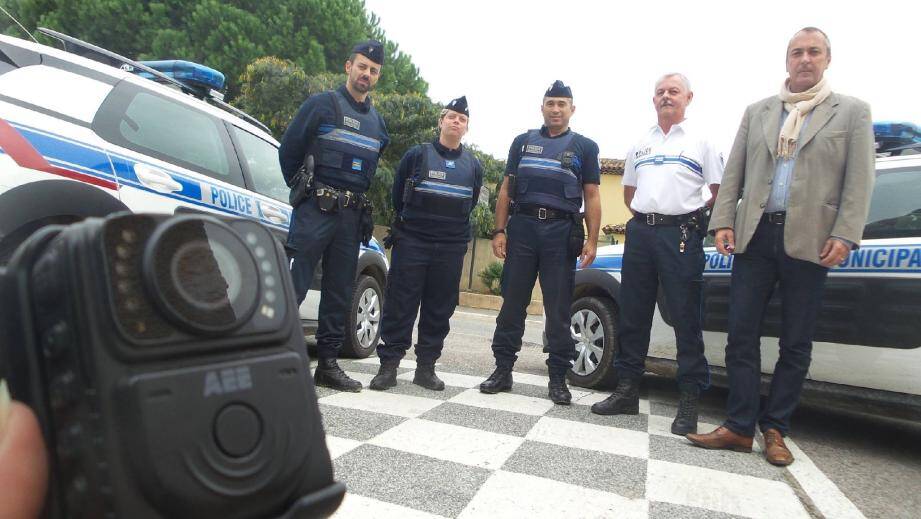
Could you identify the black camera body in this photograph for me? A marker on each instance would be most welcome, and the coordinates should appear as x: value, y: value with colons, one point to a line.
x: 166, y: 362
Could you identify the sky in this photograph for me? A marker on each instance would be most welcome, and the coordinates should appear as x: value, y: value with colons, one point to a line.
x: 503, y: 54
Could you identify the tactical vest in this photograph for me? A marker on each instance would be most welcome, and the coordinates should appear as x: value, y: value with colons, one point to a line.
x: 442, y: 188
x: 346, y: 153
x: 545, y: 174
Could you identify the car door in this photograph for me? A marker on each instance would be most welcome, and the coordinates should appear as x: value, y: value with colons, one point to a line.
x: 168, y: 155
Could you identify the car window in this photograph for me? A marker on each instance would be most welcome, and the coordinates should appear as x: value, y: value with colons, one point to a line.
x: 261, y: 159
x: 895, y: 209
x: 168, y: 130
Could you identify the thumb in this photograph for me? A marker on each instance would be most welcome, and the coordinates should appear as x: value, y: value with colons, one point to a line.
x: 826, y: 249
x: 23, y: 462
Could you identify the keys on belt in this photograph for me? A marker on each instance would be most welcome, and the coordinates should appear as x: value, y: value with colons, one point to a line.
x: 346, y: 199
x: 663, y: 219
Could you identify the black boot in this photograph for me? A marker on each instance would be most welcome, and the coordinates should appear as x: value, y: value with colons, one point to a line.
x: 558, y: 391
x: 386, y: 377
x: 686, y: 418
x: 425, y: 376
x: 500, y: 380
x: 624, y: 400
x: 330, y: 375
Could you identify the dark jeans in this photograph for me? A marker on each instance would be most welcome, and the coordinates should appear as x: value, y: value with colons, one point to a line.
x: 334, y: 239
x: 754, y: 276
x: 421, y: 272
x: 652, y: 256
x: 536, y: 248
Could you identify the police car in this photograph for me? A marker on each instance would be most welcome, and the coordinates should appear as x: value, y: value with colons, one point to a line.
x: 86, y: 132
x: 867, y: 350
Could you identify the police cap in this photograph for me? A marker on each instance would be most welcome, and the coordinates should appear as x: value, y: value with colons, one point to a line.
x: 558, y: 89
x: 371, y: 49
x: 459, y: 105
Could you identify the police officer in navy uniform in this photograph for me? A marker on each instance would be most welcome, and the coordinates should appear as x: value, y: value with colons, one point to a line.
x: 435, y: 190
x: 548, y: 174
x: 329, y: 154
x: 671, y: 176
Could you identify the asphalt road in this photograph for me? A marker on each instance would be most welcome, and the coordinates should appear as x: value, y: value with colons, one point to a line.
x: 875, y: 462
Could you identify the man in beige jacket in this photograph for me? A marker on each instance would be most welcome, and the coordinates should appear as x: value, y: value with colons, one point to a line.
x: 793, y: 203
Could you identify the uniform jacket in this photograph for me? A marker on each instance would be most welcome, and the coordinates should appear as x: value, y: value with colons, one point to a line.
x: 832, y: 176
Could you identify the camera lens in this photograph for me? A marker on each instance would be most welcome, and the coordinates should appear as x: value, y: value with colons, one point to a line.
x: 201, y: 274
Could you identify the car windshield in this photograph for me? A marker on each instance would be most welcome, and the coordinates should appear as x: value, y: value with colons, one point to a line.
x: 895, y: 209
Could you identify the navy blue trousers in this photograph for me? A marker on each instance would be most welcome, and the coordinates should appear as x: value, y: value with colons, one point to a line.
x: 754, y: 276
x: 332, y: 237
x: 652, y: 256
x: 536, y: 248
x: 427, y: 274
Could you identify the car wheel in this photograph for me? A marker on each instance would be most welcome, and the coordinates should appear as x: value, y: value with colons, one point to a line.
x: 593, y: 327
x: 364, y: 319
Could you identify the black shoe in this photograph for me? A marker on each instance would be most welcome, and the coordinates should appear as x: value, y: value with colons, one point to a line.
x: 624, y: 400
x: 500, y: 380
x: 686, y: 418
x: 425, y: 376
x: 558, y: 391
x: 330, y: 375
x: 386, y: 377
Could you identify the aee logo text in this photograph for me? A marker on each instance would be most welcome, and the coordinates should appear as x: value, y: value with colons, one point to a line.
x: 220, y: 382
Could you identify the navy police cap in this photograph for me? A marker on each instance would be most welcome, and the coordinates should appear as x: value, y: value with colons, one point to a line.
x: 459, y: 105
x: 371, y: 49
x: 558, y: 89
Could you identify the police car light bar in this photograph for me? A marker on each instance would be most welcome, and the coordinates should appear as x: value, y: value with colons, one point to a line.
x: 107, y: 57
x: 195, y: 75
x: 895, y: 136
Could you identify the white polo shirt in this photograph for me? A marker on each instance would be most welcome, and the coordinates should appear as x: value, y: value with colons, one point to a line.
x: 672, y: 172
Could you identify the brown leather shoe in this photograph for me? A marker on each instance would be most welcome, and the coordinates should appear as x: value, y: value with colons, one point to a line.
x: 722, y: 438
x: 775, y: 450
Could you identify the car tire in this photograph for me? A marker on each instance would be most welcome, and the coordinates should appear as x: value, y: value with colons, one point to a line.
x: 364, y: 328
x: 593, y: 324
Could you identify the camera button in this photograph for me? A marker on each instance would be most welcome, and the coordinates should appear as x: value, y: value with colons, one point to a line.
x: 237, y: 430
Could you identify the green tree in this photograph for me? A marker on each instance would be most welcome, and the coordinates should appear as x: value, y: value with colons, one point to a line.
x: 227, y: 35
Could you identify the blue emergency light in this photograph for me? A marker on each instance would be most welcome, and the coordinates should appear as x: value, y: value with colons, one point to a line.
x: 895, y: 134
x: 192, y: 74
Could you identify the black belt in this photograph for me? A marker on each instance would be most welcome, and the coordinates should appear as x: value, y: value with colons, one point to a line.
x: 665, y: 219
x: 347, y: 199
x: 541, y: 213
x: 775, y: 218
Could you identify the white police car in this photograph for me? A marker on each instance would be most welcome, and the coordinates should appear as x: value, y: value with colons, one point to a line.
x: 85, y: 132
x: 867, y: 350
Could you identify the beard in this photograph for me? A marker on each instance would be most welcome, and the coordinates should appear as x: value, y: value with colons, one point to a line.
x: 358, y: 86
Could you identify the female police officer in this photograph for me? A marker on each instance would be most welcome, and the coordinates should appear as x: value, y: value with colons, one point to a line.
x: 434, y: 192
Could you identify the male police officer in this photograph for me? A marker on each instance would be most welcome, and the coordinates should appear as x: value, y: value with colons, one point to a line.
x: 328, y: 155
x: 665, y: 177
x: 547, y: 172
x: 434, y: 192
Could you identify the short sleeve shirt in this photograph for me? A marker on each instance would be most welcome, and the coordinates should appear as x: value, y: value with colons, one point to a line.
x: 672, y: 172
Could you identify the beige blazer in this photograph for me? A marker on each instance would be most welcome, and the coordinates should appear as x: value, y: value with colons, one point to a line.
x: 832, y: 176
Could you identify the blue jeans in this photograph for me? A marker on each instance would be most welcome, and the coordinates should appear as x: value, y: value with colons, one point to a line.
x: 332, y: 237
x: 422, y: 273
x: 536, y: 248
x: 652, y: 256
x: 755, y: 274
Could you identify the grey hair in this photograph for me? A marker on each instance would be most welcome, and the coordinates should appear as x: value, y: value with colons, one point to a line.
x: 813, y: 30
x: 679, y: 75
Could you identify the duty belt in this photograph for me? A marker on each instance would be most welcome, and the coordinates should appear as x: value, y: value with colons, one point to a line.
x: 775, y: 218
x: 665, y: 219
x: 541, y: 213
x: 347, y: 199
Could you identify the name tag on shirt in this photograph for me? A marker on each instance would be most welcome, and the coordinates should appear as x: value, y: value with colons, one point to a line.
x: 440, y: 175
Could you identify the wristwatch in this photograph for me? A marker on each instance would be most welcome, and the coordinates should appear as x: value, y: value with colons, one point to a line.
x: 497, y: 231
